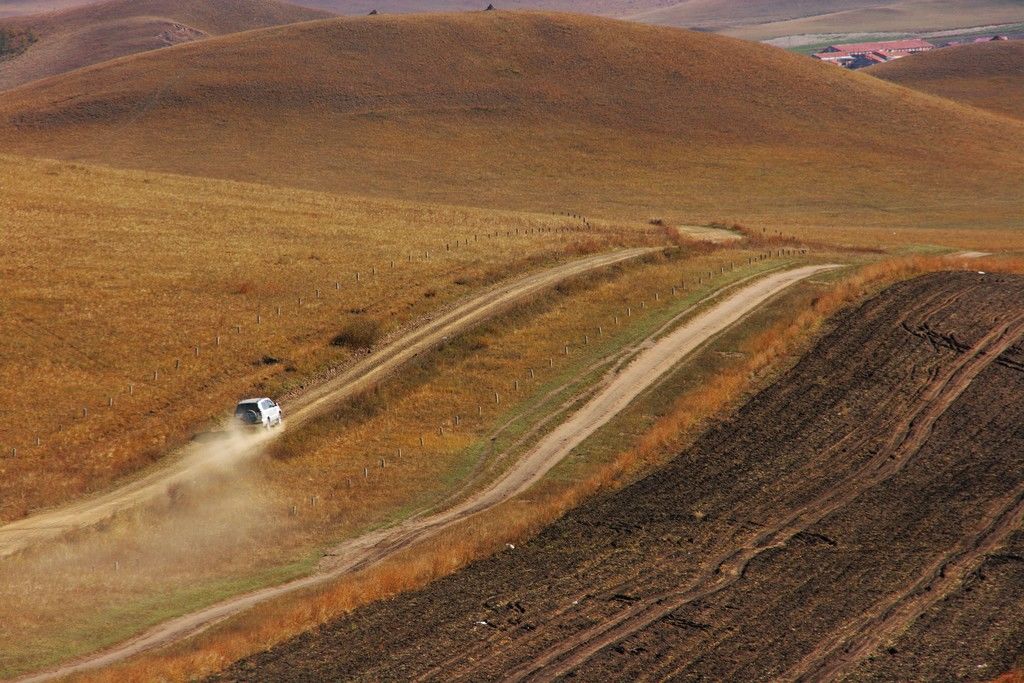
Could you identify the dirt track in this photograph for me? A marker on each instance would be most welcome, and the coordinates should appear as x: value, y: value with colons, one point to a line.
x: 364, y: 551
x: 357, y: 378
x: 845, y: 523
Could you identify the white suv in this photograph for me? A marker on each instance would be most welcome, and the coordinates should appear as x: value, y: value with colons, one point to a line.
x: 258, y: 412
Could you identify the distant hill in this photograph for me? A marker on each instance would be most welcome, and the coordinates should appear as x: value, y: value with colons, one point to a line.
x: 536, y: 111
x: 987, y: 75
x: 43, y: 45
x: 799, y: 21
x: 807, y: 21
x: 13, y: 8
x: 814, y: 20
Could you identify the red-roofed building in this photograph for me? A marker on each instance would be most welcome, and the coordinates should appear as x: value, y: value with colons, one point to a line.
x: 840, y: 58
x: 859, y: 55
x: 885, y: 47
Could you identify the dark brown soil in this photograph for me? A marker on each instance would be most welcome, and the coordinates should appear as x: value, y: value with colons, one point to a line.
x: 860, y: 518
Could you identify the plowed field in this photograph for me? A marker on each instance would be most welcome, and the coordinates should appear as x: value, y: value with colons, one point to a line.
x: 859, y: 518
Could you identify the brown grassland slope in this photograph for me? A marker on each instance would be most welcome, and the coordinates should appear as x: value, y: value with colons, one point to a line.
x: 112, y: 279
x: 536, y: 111
x: 76, y: 37
x: 987, y: 75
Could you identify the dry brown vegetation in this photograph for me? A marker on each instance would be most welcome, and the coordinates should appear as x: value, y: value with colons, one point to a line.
x: 536, y: 111
x: 80, y: 36
x: 111, y: 276
x: 764, y: 354
x: 986, y: 75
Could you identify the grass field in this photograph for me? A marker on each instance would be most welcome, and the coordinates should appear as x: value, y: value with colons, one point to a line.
x: 986, y: 75
x: 535, y: 112
x: 113, y: 276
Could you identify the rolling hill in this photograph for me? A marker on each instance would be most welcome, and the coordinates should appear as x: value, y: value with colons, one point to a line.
x: 70, y: 39
x: 987, y: 75
x: 799, y: 21
x: 536, y: 111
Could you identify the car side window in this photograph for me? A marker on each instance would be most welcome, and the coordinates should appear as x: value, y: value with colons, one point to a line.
x: 265, y: 404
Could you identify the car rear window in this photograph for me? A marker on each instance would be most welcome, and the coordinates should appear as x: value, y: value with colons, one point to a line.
x: 243, y: 407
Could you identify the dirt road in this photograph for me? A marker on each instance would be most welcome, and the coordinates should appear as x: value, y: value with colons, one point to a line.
x: 663, y: 354
x: 355, y: 379
x: 859, y: 519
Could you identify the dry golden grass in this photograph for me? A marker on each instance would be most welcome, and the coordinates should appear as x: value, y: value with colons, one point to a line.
x: 110, y: 277
x: 96, y: 32
x: 541, y: 112
x: 936, y: 239
x: 986, y: 75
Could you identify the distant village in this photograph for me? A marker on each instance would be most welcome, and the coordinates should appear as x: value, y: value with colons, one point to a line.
x: 860, y: 55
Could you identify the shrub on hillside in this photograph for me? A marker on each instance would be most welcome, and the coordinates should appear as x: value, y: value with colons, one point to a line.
x: 359, y: 333
x: 15, y: 41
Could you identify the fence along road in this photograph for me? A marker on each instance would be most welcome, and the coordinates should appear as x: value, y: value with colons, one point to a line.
x: 361, y: 376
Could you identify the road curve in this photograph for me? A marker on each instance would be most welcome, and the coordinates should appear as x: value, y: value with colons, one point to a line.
x: 359, y: 553
x: 360, y: 376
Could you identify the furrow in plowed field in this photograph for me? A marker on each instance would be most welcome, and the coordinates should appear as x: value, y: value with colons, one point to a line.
x: 860, y: 518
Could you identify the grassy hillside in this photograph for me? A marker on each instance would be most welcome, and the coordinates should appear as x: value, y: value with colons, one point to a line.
x: 112, y: 279
x: 80, y: 36
x: 536, y: 111
x: 986, y: 75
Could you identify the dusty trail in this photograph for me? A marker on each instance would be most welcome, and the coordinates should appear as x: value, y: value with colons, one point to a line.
x: 911, y: 432
x: 371, y: 548
x: 362, y: 375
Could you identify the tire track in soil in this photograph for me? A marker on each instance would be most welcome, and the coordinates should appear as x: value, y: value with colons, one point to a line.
x: 727, y: 568
x: 838, y: 655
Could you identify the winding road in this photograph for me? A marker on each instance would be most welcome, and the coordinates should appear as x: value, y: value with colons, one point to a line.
x: 359, y: 377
